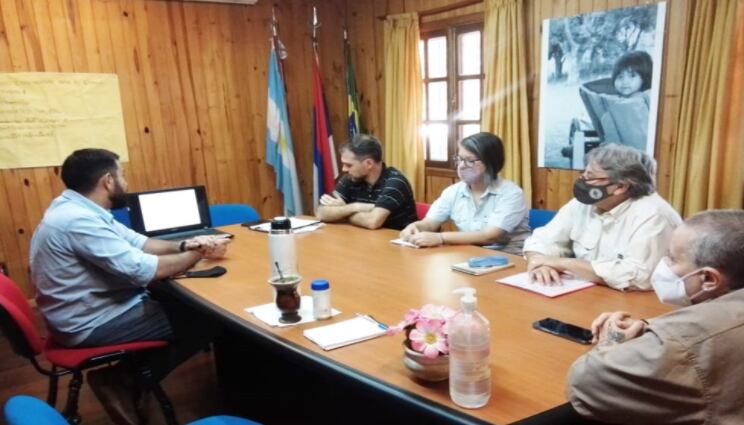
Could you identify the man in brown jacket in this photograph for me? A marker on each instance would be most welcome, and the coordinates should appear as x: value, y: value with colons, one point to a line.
x: 685, y: 367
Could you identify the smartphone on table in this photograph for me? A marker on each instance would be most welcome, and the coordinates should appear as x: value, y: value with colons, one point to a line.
x: 564, y: 330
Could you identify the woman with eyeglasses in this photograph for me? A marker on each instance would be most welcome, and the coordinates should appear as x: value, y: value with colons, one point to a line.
x: 614, y: 231
x: 486, y: 209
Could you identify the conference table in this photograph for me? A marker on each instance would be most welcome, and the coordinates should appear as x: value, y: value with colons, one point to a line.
x: 369, y: 275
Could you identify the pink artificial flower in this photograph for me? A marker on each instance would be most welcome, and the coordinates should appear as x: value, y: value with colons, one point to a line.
x: 428, y: 338
x: 426, y: 330
x: 439, y: 312
x: 409, y: 319
x: 411, y: 316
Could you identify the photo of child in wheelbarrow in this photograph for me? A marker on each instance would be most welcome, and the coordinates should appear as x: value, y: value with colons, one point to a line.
x: 599, y: 83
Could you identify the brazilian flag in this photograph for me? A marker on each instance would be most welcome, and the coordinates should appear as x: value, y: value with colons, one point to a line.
x: 354, y: 119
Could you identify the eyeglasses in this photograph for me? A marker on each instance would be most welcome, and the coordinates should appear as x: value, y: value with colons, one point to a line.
x: 467, y: 162
x: 589, y: 176
x: 592, y: 179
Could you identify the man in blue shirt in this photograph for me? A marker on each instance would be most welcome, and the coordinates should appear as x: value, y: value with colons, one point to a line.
x: 91, y: 274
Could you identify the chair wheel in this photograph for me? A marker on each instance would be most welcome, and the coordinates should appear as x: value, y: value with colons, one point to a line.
x: 75, y: 420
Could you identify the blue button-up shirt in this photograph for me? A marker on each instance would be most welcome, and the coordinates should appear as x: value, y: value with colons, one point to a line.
x: 502, y: 205
x: 87, y: 268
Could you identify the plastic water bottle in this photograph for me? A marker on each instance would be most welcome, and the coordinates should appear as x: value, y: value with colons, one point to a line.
x: 321, y: 291
x: 282, y: 250
x: 470, y: 349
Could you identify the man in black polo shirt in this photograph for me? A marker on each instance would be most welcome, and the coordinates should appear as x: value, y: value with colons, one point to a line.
x: 371, y: 194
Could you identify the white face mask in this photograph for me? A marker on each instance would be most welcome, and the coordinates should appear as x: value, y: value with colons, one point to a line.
x: 669, y: 287
x: 469, y: 175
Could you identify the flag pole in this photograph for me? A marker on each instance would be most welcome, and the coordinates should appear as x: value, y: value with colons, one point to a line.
x: 273, y: 22
x: 277, y: 46
x: 316, y: 25
x: 274, y: 31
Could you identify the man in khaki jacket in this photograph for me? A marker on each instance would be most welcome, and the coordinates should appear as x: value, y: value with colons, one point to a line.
x: 687, y: 366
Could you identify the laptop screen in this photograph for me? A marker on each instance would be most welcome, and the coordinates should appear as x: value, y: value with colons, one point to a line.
x: 169, y: 211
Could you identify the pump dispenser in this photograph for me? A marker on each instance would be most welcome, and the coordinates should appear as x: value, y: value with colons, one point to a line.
x: 470, y: 349
x: 468, y: 302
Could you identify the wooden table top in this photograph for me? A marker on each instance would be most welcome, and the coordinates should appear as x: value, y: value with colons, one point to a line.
x: 369, y: 275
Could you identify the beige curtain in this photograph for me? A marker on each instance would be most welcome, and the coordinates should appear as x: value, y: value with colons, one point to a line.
x: 708, y: 156
x: 404, y: 149
x: 505, y: 92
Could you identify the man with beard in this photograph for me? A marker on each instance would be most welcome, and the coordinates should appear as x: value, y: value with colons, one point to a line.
x: 92, y: 273
x: 371, y: 194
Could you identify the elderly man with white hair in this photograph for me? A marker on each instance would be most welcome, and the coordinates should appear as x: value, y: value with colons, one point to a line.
x: 683, y: 367
x: 613, y: 232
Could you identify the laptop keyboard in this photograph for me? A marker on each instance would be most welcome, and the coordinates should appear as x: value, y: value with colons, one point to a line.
x: 189, y: 234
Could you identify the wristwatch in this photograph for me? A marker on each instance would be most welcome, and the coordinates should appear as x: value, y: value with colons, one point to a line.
x: 182, y: 246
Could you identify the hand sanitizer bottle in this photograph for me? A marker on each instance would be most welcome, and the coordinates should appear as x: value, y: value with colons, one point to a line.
x: 469, y: 348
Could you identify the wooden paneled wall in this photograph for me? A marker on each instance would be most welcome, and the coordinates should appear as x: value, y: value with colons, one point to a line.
x: 551, y: 188
x: 193, y: 88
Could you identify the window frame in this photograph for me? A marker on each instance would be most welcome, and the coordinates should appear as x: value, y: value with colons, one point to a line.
x: 451, y: 28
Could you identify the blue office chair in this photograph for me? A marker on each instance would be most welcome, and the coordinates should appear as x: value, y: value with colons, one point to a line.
x: 226, y: 214
x: 539, y: 218
x: 122, y: 216
x: 27, y: 410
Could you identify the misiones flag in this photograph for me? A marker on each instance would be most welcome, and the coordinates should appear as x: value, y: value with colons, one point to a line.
x: 325, y: 169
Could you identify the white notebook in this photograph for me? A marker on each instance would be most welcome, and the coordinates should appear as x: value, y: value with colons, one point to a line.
x: 569, y: 285
x: 344, y: 333
x: 477, y: 271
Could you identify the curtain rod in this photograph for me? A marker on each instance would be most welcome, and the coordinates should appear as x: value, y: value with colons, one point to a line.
x: 443, y: 9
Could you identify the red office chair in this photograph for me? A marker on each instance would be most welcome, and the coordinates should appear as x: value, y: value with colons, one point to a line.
x: 19, y: 325
x: 421, y: 210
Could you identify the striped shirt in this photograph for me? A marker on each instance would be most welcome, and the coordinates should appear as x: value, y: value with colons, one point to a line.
x: 391, y: 191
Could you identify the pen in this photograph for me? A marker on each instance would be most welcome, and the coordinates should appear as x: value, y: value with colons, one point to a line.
x: 372, y: 319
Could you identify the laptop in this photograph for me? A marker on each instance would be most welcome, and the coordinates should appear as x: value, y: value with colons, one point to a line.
x: 171, y: 214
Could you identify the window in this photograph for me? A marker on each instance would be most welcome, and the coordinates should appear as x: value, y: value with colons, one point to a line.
x: 452, y: 70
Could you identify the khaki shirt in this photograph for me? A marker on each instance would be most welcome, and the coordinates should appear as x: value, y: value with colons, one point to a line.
x: 623, y: 245
x: 687, y: 368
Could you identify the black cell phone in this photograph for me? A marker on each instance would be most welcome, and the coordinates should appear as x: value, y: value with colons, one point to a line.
x: 564, y: 330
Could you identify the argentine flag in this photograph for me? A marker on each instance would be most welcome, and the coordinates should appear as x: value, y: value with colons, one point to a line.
x: 279, y: 149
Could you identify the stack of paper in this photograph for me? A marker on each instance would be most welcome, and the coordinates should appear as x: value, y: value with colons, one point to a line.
x: 522, y: 280
x: 270, y: 314
x: 344, y: 333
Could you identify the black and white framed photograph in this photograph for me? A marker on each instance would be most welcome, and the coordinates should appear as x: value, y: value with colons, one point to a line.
x: 600, y: 82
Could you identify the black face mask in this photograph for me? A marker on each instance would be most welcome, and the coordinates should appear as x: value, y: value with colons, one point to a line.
x: 588, y: 193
